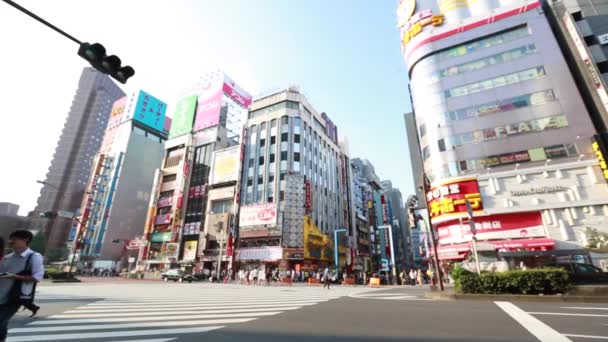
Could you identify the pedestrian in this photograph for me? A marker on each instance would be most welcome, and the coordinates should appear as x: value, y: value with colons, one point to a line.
x: 249, y: 277
x: 326, y: 279
x: 413, y: 277
x: 431, y: 274
x: 255, y: 276
x: 268, y: 276
x: 402, y: 276
x: 19, y: 273
x: 419, y: 277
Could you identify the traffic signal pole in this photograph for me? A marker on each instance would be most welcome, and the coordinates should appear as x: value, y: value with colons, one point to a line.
x: 95, y: 53
x: 33, y: 15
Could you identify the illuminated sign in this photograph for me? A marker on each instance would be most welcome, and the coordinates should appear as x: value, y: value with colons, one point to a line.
x: 600, y: 156
x: 426, y: 18
x: 449, y: 199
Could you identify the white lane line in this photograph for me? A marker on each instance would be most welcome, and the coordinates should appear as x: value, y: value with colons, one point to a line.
x: 171, y: 312
x: 213, y: 298
x: 588, y: 336
x: 155, y: 318
x: 537, y: 328
x: 86, y: 336
x: 129, y: 325
x: 582, y: 308
x: 189, y: 306
x: 567, y: 314
x: 193, y: 302
x: 151, y: 340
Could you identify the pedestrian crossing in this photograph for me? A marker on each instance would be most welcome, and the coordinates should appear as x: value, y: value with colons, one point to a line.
x: 177, y: 311
x: 387, y: 296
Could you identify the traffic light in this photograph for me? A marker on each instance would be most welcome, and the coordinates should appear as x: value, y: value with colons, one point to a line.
x: 96, y: 55
x: 48, y: 214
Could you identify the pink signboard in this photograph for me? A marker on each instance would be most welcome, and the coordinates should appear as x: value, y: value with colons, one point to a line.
x: 163, y: 219
x: 113, y: 122
x: 235, y: 92
x: 208, y: 112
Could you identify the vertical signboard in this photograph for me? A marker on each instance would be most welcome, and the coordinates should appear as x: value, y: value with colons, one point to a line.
x: 308, y: 197
x: 225, y: 165
x: 150, y: 111
x: 209, y: 102
x: 116, y: 117
x: 183, y: 116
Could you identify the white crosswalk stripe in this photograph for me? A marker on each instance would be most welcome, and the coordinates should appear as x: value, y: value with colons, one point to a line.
x: 165, y: 318
x: 387, y: 296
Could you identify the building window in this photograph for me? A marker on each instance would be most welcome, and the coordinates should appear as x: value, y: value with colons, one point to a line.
x: 284, y: 155
x: 273, y: 140
x: 262, y: 142
x: 533, y: 99
x: 496, y: 82
x: 251, y: 162
x: 284, y: 137
x: 261, y: 161
x: 296, y: 157
x: 426, y: 153
x: 271, y: 158
x: 296, y: 138
x: 441, y: 143
x: 422, y: 130
x: 169, y: 178
x: 503, y: 57
x: 221, y: 206
x: 260, y: 180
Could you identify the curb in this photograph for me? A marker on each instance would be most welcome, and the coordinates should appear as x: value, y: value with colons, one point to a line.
x: 521, y: 298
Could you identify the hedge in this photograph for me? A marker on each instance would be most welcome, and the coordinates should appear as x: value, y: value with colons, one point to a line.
x: 532, y: 281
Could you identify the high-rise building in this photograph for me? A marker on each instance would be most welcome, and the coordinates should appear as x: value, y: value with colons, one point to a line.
x: 9, y: 209
x: 414, y: 156
x: 189, y: 218
x: 503, y: 126
x: 292, y: 196
x: 80, y: 139
x: 115, y: 205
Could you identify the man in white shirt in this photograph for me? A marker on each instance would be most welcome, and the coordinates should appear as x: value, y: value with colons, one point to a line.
x: 10, y: 266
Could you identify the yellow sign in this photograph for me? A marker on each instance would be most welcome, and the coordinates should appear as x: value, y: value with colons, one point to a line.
x: 416, y: 28
x: 404, y: 11
x: 316, y: 244
x: 601, y: 158
x: 448, y: 205
x: 190, y: 250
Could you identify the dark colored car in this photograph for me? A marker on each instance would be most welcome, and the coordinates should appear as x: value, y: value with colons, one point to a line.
x: 176, y: 275
x: 584, y: 273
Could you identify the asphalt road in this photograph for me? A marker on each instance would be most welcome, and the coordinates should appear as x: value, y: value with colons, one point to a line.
x: 159, y: 312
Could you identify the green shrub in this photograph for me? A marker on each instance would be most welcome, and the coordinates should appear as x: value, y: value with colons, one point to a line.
x: 533, y: 281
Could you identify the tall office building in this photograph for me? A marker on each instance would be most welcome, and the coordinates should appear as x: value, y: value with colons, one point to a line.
x: 115, y: 205
x: 292, y: 194
x: 80, y: 140
x: 503, y: 126
x: 414, y: 156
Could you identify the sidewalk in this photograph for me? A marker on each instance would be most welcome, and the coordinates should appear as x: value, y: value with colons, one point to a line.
x: 451, y: 295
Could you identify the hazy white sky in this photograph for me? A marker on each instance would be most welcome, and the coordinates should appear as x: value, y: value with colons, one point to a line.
x: 343, y: 54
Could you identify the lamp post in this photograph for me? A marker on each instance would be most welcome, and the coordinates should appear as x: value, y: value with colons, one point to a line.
x: 390, y: 239
x: 219, y: 228
x: 336, y: 254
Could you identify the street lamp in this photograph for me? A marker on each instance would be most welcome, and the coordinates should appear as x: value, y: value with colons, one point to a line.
x: 219, y: 228
x: 336, y: 255
x: 390, y: 238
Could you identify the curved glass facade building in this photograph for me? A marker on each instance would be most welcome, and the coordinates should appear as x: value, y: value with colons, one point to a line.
x: 489, y: 87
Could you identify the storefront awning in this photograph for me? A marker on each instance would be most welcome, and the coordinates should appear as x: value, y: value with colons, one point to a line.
x: 460, y: 251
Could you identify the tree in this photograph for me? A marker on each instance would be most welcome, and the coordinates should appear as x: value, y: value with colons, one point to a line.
x: 57, y: 254
x: 38, y: 244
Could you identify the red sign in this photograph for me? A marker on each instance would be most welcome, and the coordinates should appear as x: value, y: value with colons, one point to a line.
x: 449, y: 199
x: 493, y: 227
x: 308, y: 196
x: 229, y: 246
x: 266, y: 214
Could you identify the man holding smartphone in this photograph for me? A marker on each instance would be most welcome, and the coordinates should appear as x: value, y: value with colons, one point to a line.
x: 13, y: 264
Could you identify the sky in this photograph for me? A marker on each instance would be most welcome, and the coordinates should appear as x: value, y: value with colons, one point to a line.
x: 344, y: 55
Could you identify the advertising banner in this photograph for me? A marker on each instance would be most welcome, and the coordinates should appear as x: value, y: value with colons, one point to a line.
x: 209, y: 103
x: 493, y: 227
x: 258, y: 215
x: 259, y: 253
x: 116, y: 117
x: 172, y: 250
x: 225, y: 165
x: 183, y: 117
x: 235, y: 92
x: 448, y: 200
x: 190, y: 248
x: 308, y: 197
x: 150, y: 111
x: 161, y: 237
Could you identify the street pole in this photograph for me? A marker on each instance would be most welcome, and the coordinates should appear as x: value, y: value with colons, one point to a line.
x: 336, y: 254
x: 473, y: 234
x: 219, y: 259
x: 394, y: 267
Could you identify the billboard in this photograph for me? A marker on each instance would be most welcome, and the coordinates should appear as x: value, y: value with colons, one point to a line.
x: 259, y: 253
x: 171, y: 250
x: 183, y: 116
x: 209, y: 102
x: 258, y: 215
x: 116, y: 117
x: 493, y: 227
x: 330, y: 128
x: 225, y: 165
x: 235, y: 92
x: 190, y: 248
x: 150, y: 111
x: 448, y: 200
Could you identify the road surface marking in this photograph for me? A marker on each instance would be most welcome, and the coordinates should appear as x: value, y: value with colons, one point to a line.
x: 588, y: 336
x: 187, y: 307
x: 129, y: 325
x: 151, y: 340
x: 148, y: 316
x: 164, y: 313
x: 537, y: 328
x: 582, y: 308
x: 186, y: 303
x: 85, y: 336
x: 567, y: 314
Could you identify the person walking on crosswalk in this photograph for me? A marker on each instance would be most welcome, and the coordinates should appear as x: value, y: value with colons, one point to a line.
x: 326, y: 279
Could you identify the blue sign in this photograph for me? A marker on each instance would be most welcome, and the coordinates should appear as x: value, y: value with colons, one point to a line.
x: 150, y: 111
